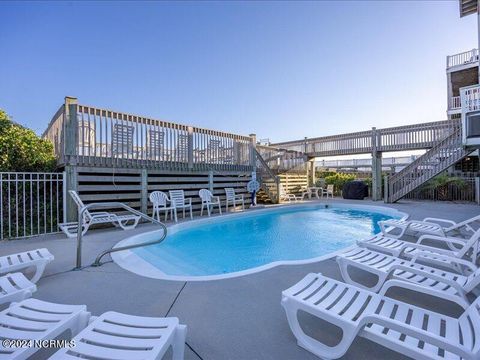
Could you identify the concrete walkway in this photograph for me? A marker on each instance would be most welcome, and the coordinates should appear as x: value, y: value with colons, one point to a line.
x: 238, y: 318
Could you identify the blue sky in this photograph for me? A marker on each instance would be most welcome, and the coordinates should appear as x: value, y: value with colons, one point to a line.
x: 283, y: 70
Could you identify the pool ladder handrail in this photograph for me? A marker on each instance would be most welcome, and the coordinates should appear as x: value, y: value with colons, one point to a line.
x: 102, y: 205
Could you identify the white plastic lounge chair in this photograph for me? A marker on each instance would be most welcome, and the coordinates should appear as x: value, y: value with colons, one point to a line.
x: 38, y: 258
x: 458, y: 248
x: 34, y: 319
x: 209, y: 201
x: 232, y: 198
x: 328, y: 191
x: 15, y: 287
x: 92, y: 218
x: 177, y: 197
x: 119, y: 336
x: 160, y: 200
x: 448, y: 284
x: 288, y: 197
x: 401, y: 327
x: 432, y: 226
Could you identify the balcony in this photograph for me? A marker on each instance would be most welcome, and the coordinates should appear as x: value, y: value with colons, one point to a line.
x: 470, y: 98
x: 455, y: 105
x: 462, y: 60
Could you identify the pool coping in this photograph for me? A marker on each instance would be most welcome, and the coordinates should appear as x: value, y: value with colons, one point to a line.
x: 130, y: 261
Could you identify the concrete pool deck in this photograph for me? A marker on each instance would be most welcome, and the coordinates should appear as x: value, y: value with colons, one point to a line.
x: 236, y: 318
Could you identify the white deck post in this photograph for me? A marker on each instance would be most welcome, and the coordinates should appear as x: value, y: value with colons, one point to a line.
x: 210, y: 181
x: 253, y: 147
x: 70, y: 148
x: 190, y: 148
x: 144, y: 191
x: 376, y: 166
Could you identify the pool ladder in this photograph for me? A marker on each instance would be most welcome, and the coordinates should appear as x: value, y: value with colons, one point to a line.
x: 103, y: 205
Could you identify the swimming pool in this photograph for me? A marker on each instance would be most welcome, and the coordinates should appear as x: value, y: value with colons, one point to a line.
x: 234, y: 245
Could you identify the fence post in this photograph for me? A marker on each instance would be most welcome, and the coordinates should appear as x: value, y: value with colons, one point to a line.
x: 210, y: 180
x: 64, y: 196
x: 70, y: 150
x: 190, y: 148
x: 253, y: 148
x: 144, y: 191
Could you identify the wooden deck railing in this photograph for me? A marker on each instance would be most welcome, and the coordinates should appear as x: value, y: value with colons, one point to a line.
x: 89, y: 136
x: 463, y: 58
x: 281, y: 160
x: 454, y: 103
x: 470, y: 98
x: 408, y: 137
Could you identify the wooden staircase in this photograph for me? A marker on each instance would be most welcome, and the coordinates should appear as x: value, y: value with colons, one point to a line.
x: 270, y: 164
x: 439, y: 158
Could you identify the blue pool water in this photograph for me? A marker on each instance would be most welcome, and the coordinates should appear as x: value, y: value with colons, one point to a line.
x: 233, y: 244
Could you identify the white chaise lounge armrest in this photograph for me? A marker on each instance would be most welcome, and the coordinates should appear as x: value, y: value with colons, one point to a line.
x: 438, y: 220
x: 461, y: 262
x: 442, y: 239
x: 403, y: 328
x: 459, y: 300
x: 427, y: 248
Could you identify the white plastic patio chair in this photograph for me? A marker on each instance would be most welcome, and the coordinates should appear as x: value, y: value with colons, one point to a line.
x: 115, y: 335
x: 458, y: 248
x: 15, y: 287
x: 34, y: 319
x: 38, y: 259
x: 159, y: 200
x: 447, y: 284
x: 232, y: 198
x: 209, y: 201
x: 328, y: 191
x: 429, y: 225
x: 92, y: 218
x: 411, y: 330
x: 306, y: 192
x: 287, y: 196
x: 178, y: 201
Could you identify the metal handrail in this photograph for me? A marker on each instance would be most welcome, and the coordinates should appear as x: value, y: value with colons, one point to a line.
x: 102, y: 205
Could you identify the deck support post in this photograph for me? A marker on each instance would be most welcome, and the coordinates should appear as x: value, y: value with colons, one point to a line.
x: 385, y: 189
x: 70, y: 151
x: 253, y: 155
x: 71, y: 183
x: 311, y: 172
x: 376, y: 166
x: 210, y: 181
x: 144, y: 191
x: 190, y: 148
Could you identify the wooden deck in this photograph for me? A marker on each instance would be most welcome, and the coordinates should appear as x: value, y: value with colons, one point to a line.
x: 400, y: 138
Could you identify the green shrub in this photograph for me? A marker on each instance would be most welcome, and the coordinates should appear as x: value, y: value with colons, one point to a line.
x: 22, y: 150
x: 338, y: 180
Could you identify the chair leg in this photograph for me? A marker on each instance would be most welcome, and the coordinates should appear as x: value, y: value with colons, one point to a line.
x: 191, y: 213
x: 313, y: 345
x: 184, y: 212
x: 208, y: 209
x: 39, y: 269
x: 220, y: 208
x: 178, y: 344
x: 201, y: 210
x: 176, y: 215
